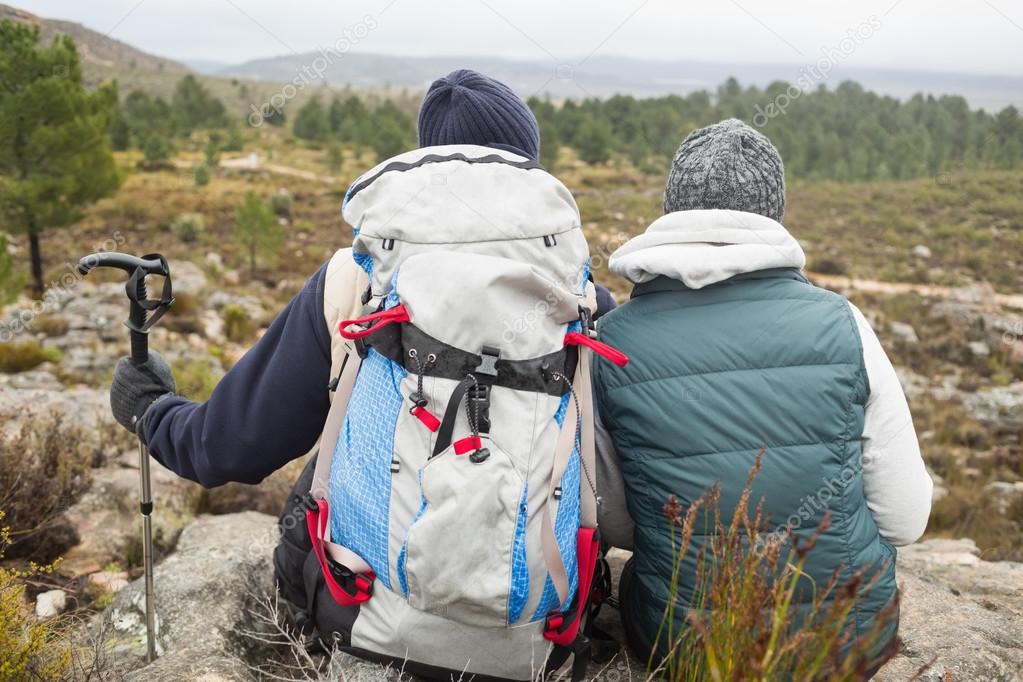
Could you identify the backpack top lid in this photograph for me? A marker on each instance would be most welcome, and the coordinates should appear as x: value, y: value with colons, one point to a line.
x: 463, y: 198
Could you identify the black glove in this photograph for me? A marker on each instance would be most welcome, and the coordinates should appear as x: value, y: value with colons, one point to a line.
x: 136, y: 387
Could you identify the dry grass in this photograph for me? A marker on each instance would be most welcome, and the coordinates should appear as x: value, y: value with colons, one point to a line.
x: 744, y: 623
x: 45, y: 465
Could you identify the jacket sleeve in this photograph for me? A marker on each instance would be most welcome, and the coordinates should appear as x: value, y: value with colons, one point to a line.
x: 267, y: 410
x: 895, y: 481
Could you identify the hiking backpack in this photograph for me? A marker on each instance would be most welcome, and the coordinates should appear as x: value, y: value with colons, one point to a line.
x: 453, y: 501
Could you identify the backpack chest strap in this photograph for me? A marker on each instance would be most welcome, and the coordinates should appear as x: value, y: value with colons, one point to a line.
x: 394, y: 342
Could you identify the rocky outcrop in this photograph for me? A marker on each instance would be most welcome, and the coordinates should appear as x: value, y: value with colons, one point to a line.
x: 214, y: 596
x: 962, y: 617
x: 106, y: 518
x: 205, y: 592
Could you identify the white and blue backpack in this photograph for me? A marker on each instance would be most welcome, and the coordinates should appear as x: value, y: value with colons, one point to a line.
x: 453, y: 506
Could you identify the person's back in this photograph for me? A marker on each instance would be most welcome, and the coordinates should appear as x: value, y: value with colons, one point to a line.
x: 482, y: 367
x: 732, y: 352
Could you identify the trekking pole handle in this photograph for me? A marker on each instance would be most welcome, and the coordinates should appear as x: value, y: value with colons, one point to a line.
x: 136, y: 320
x: 138, y: 269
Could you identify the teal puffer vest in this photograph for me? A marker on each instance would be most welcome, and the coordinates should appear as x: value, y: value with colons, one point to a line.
x: 764, y: 359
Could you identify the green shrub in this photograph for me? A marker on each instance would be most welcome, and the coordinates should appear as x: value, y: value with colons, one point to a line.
x: 188, y: 227
x: 235, y: 140
x: 29, y: 649
x: 202, y: 175
x: 195, y: 379
x: 828, y: 266
x: 21, y: 356
x: 238, y: 325
x: 12, y: 281
x: 50, y: 324
x: 156, y: 150
x: 280, y: 203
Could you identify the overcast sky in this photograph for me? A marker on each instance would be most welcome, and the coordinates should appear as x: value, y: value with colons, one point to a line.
x: 980, y: 36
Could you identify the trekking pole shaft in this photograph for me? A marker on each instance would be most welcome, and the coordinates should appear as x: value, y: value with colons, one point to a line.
x: 146, y: 507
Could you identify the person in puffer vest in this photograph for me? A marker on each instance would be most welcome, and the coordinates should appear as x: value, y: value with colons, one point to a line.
x: 733, y: 350
x: 270, y: 408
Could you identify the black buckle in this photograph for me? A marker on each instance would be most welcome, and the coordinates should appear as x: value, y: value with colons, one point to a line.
x: 355, y: 584
x: 479, y: 401
x: 362, y: 348
x: 564, y: 619
x: 309, y: 502
x: 488, y: 361
x: 586, y: 319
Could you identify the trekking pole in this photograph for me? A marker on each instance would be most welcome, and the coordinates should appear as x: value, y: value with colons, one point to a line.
x: 139, y: 323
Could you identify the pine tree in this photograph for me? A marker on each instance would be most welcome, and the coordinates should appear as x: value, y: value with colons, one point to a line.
x: 593, y: 141
x: 550, y: 145
x: 312, y: 123
x: 194, y: 106
x: 54, y: 147
x: 257, y: 230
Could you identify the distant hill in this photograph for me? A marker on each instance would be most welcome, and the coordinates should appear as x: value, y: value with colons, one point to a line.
x: 95, y: 48
x: 104, y: 58
x: 602, y: 76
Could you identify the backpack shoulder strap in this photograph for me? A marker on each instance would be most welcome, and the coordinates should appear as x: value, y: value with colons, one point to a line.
x: 344, y: 282
x: 332, y: 427
x: 343, y: 286
x: 583, y: 393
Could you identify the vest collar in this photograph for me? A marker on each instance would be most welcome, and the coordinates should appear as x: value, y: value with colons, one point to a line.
x: 663, y: 284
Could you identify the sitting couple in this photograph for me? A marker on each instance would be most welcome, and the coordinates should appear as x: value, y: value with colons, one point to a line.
x: 474, y: 428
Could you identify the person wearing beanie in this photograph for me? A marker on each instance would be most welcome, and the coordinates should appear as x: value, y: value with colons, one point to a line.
x: 733, y: 353
x: 271, y: 407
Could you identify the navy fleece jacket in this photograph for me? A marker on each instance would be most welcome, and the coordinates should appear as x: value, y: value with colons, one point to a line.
x: 268, y: 409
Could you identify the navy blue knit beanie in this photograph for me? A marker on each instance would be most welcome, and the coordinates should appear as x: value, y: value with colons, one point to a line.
x: 466, y: 107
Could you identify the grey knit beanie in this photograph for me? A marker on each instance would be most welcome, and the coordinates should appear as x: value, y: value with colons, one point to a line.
x: 727, y: 165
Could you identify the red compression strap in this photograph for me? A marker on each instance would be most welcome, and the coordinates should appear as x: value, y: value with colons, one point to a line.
x: 468, y: 444
x: 428, y: 418
x: 316, y: 523
x: 587, y: 548
x: 602, y: 349
x: 378, y: 320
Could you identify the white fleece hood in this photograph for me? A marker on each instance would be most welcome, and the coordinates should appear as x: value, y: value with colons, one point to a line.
x: 702, y: 247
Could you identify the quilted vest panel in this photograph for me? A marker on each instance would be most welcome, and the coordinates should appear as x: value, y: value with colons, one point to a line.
x: 761, y: 360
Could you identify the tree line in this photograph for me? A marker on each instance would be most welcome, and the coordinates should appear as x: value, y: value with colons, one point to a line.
x: 846, y: 133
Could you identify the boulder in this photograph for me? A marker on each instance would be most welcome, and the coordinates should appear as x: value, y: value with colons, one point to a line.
x: 212, y: 596
x: 204, y: 594
x: 107, y: 518
x: 51, y: 603
x: 904, y: 331
x: 32, y: 379
x: 188, y: 278
x: 999, y: 406
x: 959, y: 637
x: 960, y: 612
